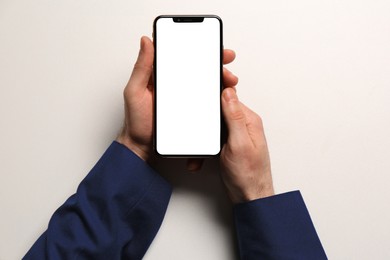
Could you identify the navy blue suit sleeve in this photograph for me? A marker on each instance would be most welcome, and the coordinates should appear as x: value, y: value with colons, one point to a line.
x: 115, y: 213
x: 277, y: 227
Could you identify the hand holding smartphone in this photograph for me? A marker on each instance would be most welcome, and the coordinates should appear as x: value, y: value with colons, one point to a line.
x: 188, y: 85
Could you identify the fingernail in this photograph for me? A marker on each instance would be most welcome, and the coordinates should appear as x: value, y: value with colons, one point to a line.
x: 229, y: 94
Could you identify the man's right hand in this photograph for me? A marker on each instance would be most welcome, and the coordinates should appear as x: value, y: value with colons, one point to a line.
x: 246, y: 169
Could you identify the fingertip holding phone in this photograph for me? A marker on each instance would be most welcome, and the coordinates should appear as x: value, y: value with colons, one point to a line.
x: 188, y: 85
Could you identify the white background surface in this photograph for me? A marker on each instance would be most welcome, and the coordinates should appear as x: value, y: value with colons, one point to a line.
x: 318, y: 72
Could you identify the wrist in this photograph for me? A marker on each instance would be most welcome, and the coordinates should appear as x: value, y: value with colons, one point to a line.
x: 241, y: 195
x: 264, y: 191
x: 130, y: 144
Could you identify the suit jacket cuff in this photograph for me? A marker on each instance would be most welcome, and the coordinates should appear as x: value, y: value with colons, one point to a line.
x: 277, y: 227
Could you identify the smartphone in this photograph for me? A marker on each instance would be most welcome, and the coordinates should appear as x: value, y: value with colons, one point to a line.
x: 188, y: 84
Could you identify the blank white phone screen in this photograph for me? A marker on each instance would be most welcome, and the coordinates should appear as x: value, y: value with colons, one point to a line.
x: 188, y: 65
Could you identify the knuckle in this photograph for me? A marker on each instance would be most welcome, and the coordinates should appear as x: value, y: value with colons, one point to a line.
x: 258, y: 120
x: 241, y: 146
x: 126, y: 92
x: 139, y: 66
x: 237, y: 115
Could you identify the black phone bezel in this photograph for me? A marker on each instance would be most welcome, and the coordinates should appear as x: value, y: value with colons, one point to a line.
x: 187, y: 19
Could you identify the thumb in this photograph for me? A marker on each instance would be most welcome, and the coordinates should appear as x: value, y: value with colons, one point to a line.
x: 143, y: 66
x: 234, y: 116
